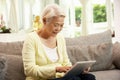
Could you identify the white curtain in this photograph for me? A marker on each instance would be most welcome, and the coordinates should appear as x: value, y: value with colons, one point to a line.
x: 28, y: 14
x: 3, y: 10
x: 12, y: 20
x: 2, y: 4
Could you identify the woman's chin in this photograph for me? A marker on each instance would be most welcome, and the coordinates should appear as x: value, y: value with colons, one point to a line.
x: 54, y: 34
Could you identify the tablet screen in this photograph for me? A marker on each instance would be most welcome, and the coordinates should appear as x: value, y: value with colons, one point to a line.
x: 78, y: 67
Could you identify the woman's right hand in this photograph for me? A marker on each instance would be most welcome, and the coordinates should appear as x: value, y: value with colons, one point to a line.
x: 63, y: 69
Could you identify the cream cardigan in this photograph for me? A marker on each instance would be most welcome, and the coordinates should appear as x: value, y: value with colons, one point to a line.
x: 37, y: 65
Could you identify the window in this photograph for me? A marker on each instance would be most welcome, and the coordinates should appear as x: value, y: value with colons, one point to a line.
x: 78, y: 17
x: 81, y: 18
x: 96, y: 16
x: 102, y: 16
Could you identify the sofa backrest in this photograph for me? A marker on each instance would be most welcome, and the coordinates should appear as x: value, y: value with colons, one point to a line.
x: 12, y: 52
x: 92, y: 47
x: 11, y: 48
x: 92, y: 39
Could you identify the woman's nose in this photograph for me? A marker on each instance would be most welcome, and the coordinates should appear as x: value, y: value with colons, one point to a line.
x: 59, y: 28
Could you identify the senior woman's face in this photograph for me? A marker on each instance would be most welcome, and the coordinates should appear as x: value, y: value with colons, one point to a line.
x: 55, y: 26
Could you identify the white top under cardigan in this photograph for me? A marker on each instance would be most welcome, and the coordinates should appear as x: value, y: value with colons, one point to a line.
x: 51, y: 53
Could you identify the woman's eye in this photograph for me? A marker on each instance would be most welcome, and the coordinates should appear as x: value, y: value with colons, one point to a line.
x: 56, y: 25
x: 61, y: 25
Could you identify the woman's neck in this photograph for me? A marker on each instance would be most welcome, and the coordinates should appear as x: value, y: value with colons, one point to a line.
x: 47, y: 40
x: 43, y: 34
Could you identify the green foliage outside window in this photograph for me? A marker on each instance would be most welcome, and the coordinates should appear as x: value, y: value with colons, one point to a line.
x: 99, y: 13
x: 78, y: 11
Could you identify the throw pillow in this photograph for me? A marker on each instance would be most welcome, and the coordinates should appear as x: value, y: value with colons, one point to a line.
x: 102, y: 53
x: 79, y: 53
x: 116, y: 55
x: 3, y: 68
x: 103, y: 56
x: 15, y: 70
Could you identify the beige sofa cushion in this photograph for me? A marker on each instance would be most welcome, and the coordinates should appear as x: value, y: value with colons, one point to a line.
x: 3, y: 68
x: 77, y: 53
x: 102, y: 53
x: 11, y: 48
x: 14, y: 69
x: 95, y: 46
x: 116, y: 55
x: 107, y: 74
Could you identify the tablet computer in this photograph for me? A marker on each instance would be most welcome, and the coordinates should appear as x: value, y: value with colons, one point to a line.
x: 78, y: 68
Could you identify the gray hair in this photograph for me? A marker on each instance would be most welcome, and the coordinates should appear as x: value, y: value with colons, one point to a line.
x: 51, y: 11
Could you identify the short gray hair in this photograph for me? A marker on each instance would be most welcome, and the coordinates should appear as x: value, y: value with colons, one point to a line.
x: 52, y: 10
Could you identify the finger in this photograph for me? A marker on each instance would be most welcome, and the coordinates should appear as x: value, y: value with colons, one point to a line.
x: 87, y: 69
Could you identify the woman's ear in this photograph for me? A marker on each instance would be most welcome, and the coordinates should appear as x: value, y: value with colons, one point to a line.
x: 44, y: 20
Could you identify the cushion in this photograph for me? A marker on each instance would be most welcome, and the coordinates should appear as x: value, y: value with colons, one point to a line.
x: 95, y: 46
x: 3, y: 68
x: 102, y: 53
x: 116, y: 54
x: 77, y: 53
x: 15, y: 69
x: 107, y: 74
x: 11, y: 47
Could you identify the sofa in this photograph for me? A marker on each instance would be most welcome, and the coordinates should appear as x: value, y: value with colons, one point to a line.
x: 97, y: 47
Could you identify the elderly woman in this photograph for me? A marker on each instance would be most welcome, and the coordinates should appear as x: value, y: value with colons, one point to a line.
x: 44, y: 51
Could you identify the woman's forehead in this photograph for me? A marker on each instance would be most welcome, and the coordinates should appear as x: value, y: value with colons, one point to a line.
x: 58, y: 20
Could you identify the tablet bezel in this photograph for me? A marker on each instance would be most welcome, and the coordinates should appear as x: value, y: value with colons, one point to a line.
x: 78, y: 67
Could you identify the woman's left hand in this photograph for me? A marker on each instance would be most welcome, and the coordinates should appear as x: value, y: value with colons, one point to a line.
x: 86, y: 70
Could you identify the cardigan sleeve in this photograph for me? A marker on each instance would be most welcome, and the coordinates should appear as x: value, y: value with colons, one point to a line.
x: 29, y: 61
x: 63, y: 51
